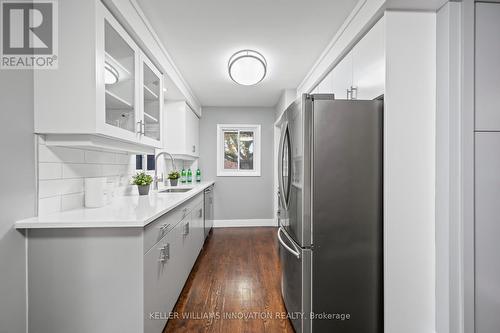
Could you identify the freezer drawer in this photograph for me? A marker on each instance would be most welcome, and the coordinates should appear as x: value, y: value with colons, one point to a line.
x: 295, y: 281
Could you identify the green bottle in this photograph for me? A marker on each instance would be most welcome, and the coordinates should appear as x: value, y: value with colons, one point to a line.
x: 183, y: 176
x: 198, y: 175
x: 189, y: 176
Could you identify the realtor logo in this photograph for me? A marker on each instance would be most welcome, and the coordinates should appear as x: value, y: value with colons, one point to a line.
x: 29, y: 34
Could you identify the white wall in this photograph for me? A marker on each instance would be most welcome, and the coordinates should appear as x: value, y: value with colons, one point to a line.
x: 239, y: 200
x: 410, y: 113
x: 287, y: 97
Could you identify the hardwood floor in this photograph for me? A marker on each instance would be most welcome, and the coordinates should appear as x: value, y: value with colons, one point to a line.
x: 234, y: 286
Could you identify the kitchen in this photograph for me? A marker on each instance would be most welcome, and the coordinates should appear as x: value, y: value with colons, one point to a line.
x: 233, y: 166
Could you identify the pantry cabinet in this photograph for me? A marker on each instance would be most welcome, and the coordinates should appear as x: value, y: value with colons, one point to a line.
x: 105, y: 85
x: 487, y: 70
x: 182, y: 130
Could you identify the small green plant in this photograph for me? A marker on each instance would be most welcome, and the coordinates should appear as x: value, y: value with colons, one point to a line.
x: 142, y: 179
x: 174, y: 175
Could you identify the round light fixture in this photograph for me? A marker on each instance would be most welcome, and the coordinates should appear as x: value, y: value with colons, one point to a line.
x: 247, y: 67
x: 111, y: 75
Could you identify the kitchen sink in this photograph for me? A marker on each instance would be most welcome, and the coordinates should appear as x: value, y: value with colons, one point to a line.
x: 176, y: 190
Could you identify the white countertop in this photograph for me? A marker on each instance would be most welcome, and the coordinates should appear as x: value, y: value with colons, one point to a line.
x: 124, y: 211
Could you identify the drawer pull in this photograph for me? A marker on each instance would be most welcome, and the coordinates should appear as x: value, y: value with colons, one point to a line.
x: 186, y: 229
x: 200, y: 213
x: 164, y: 227
x: 164, y: 253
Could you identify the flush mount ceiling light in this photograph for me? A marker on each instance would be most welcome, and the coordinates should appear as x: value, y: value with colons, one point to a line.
x: 247, y: 67
x: 111, y: 75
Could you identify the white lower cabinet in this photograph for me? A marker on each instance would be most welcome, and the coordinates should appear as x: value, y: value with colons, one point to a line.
x: 168, y: 263
x: 125, y: 279
x: 162, y: 279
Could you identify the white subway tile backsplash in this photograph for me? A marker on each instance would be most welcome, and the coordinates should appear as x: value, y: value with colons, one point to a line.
x: 72, y: 201
x: 49, y: 205
x: 100, y: 157
x: 113, y: 169
x: 60, y: 154
x: 71, y: 170
x: 49, y: 170
x: 62, y: 172
x: 125, y: 159
x: 49, y: 188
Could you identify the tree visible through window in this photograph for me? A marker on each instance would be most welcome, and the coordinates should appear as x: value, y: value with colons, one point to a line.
x: 239, y: 150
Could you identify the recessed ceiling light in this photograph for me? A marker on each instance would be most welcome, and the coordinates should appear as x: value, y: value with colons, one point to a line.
x: 247, y: 67
x: 110, y: 74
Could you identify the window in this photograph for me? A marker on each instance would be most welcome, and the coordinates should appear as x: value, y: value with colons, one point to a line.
x: 238, y: 150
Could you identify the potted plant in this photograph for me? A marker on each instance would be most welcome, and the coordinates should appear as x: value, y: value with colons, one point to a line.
x: 174, y: 177
x: 142, y: 180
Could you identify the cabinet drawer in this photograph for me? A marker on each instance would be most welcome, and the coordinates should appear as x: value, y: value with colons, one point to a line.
x: 157, y: 229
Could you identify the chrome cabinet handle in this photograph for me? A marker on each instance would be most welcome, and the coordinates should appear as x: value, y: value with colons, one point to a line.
x: 194, y: 148
x: 142, y: 127
x: 164, y: 227
x: 200, y: 213
x: 186, y: 229
x: 164, y: 253
x: 295, y: 252
x: 139, y: 123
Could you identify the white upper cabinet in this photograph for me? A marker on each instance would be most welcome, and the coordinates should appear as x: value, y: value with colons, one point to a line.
x: 325, y: 86
x: 368, y: 57
x: 105, y: 87
x: 181, y: 130
x: 117, y: 79
x: 342, y: 77
x: 363, y: 69
x: 152, y: 102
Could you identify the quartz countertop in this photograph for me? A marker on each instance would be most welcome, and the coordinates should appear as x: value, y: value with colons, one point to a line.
x: 124, y: 211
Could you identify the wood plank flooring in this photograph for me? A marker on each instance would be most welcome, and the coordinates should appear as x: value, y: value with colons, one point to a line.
x: 234, y: 286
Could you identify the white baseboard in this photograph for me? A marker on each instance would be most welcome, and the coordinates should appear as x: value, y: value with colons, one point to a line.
x: 245, y: 223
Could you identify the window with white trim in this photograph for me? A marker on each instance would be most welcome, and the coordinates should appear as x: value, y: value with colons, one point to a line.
x: 238, y: 150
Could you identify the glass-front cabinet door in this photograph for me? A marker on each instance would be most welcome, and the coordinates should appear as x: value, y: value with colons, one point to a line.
x: 152, y: 88
x: 129, y: 86
x: 120, y: 59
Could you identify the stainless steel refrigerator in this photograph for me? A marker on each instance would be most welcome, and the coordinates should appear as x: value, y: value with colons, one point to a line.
x: 330, y: 214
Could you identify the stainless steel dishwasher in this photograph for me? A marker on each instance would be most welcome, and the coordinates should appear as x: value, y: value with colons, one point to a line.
x: 209, y: 209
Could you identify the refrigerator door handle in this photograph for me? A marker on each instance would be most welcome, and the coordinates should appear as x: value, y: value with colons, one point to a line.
x: 281, y: 191
x: 295, y: 252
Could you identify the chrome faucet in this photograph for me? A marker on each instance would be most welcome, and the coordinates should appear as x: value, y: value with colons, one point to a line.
x: 155, y: 180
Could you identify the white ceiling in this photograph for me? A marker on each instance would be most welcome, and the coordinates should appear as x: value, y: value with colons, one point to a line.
x: 201, y: 35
